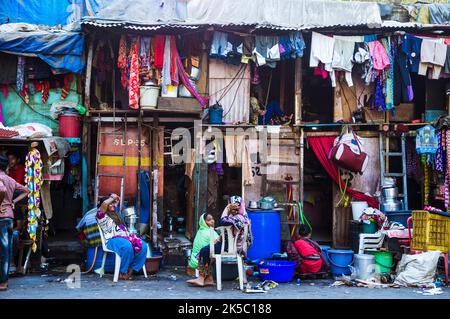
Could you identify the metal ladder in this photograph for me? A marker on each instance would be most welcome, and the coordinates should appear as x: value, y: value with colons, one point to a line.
x: 385, y: 154
x: 123, y: 155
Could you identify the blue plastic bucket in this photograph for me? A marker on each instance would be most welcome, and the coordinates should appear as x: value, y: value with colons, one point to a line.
x: 276, y: 270
x: 325, y: 250
x: 109, y: 263
x: 340, y: 261
x: 215, y: 115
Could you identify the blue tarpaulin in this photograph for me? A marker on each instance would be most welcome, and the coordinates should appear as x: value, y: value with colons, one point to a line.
x: 47, y: 12
x: 62, y: 50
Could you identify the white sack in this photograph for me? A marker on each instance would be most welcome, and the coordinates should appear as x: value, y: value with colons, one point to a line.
x: 417, y: 270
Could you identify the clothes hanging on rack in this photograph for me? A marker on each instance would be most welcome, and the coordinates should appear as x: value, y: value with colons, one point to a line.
x: 321, y: 50
x: 411, y: 46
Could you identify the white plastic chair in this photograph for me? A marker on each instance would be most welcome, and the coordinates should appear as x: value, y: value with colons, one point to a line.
x: 231, y: 253
x: 101, y: 270
x: 370, y: 241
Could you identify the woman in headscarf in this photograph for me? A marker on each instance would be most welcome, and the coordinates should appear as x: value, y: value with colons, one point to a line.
x: 131, y: 249
x: 202, y: 238
x: 234, y: 215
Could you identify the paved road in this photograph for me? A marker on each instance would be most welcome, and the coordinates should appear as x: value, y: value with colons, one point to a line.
x: 165, y: 285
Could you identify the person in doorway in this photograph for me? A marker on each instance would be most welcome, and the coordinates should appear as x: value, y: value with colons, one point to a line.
x: 311, y: 259
x: 234, y: 215
x: 7, y: 188
x: 131, y: 249
x: 270, y: 115
x: 16, y: 170
x: 202, y: 238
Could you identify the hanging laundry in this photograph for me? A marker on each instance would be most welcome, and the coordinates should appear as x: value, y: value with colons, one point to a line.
x: 220, y: 45
x: 166, y: 70
x: 144, y: 59
x: 236, y: 46
x: 432, y: 54
x: 362, y: 62
x: 122, y: 63
x: 321, y: 51
x: 403, y: 91
x: 173, y: 62
x: 379, y: 55
x: 187, y: 83
x: 447, y: 61
x: 389, y: 75
x: 342, y: 59
x: 411, y: 46
x: 159, y: 45
x: 267, y: 50
x: 133, y: 92
x: 379, y: 103
x: 20, y: 73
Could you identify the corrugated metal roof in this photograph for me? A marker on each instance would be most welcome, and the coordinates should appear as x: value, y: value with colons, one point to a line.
x: 270, y: 14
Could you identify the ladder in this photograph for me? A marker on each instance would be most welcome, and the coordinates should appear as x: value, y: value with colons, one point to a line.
x: 168, y: 147
x: 386, y: 154
x: 122, y: 132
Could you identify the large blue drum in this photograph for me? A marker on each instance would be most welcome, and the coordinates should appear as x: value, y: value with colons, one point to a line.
x: 266, y: 229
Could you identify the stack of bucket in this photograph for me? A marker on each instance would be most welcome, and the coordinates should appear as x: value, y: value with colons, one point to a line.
x: 380, y: 262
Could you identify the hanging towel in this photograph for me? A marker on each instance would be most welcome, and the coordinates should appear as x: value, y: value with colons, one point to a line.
x: 173, y: 62
x: 158, y: 60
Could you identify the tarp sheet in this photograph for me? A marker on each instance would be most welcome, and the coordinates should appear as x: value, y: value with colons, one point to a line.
x: 62, y: 50
x: 15, y: 111
x: 48, y: 12
x: 289, y: 14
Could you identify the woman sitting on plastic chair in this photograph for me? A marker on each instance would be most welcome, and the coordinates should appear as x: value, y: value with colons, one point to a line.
x: 233, y: 215
x: 131, y: 249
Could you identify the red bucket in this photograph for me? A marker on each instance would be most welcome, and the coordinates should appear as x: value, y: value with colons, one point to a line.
x: 69, y: 125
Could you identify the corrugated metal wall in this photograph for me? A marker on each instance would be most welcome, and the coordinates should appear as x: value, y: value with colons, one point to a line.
x: 236, y: 101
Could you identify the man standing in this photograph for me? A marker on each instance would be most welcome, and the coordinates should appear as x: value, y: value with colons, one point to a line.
x: 7, y: 188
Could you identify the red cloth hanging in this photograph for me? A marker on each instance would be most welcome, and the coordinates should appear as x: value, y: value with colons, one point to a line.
x: 158, y: 60
x: 321, y: 145
x: 173, y: 61
x: 133, y: 92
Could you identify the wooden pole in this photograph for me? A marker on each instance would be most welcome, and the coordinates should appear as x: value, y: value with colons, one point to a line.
x: 298, y: 83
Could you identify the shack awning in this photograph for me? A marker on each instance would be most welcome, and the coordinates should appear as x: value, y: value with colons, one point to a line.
x: 61, y: 49
x: 276, y: 14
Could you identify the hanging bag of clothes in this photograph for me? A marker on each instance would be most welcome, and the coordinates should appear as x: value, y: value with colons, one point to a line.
x: 347, y: 152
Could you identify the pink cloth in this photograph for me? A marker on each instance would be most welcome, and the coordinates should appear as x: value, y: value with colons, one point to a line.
x: 133, y: 91
x: 8, y: 185
x: 379, y: 55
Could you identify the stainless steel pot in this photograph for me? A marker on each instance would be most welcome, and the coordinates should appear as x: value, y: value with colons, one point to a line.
x: 267, y: 203
x: 390, y: 192
x: 390, y: 205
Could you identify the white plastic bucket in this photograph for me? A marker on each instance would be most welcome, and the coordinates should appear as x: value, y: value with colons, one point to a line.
x: 172, y: 91
x: 357, y: 209
x: 364, y: 266
x: 149, y: 96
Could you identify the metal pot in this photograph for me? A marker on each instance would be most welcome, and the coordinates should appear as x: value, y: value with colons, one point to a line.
x: 267, y: 203
x: 253, y: 204
x: 390, y: 192
x: 391, y: 205
x: 129, y: 211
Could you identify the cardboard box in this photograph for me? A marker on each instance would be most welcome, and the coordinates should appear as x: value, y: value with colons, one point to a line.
x: 403, y: 113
